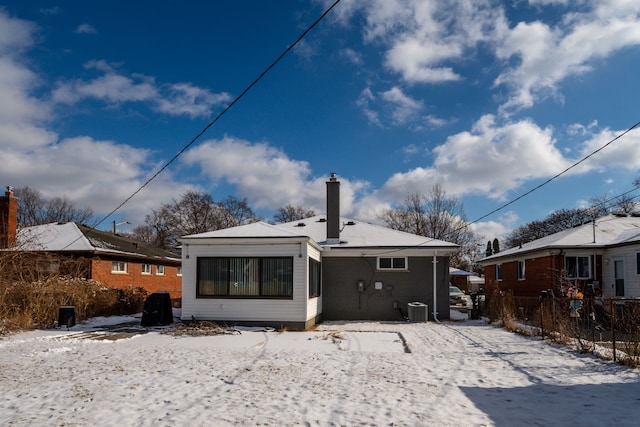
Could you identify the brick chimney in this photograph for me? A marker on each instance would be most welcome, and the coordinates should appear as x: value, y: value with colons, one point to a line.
x: 8, y: 219
x: 333, y: 210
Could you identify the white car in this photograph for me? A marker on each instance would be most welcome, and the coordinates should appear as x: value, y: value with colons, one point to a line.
x: 456, y: 296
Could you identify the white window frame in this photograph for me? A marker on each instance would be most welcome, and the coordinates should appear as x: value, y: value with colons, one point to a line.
x: 146, y: 269
x: 577, y: 276
x: 179, y: 270
x: 159, y: 270
x: 499, y: 272
x: 393, y: 263
x: 119, y: 267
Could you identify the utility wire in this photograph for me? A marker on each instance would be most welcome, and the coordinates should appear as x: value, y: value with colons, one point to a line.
x: 218, y: 117
x: 537, y: 187
x: 206, y: 128
x: 467, y: 224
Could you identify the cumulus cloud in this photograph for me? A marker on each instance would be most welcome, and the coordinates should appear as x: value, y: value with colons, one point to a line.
x: 113, y: 87
x: 547, y: 55
x: 34, y: 155
x: 424, y: 38
x: 492, y: 159
x: 266, y: 175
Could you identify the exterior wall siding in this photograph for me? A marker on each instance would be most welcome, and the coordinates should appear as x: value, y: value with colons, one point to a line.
x: 247, y: 310
x: 343, y: 301
x: 631, y: 277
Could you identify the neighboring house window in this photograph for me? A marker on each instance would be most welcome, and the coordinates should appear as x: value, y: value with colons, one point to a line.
x: 160, y: 270
x: 245, y: 277
x: 521, y: 270
x: 577, y: 267
x: 390, y: 263
x: 498, y: 271
x: 118, y: 267
x: 48, y: 265
x: 314, y: 278
x: 179, y: 270
x: 146, y: 268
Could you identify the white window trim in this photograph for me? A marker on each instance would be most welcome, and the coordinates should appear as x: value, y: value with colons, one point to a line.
x: 578, y: 277
x: 146, y: 273
x: 158, y: 267
x: 179, y: 271
x: 406, y: 263
x: 498, y: 266
x: 118, y: 270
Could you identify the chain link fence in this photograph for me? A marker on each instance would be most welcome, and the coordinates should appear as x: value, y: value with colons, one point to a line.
x: 607, y: 326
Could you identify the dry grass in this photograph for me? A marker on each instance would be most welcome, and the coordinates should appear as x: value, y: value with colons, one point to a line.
x: 32, y: 292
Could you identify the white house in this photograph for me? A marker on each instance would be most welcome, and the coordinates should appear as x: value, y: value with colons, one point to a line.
x: 324, y: 267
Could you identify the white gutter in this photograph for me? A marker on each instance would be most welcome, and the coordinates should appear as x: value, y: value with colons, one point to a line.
x: 435, y: 263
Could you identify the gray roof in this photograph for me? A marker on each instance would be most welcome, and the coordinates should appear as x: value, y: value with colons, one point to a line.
x: 72, y: 237
x: 610, y: 230
x: 354, y: 234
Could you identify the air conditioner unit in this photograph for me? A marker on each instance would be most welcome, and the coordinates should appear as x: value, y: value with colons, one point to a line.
x: 417, y: 312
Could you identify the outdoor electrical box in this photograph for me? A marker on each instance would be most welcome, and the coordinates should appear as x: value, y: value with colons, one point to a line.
x: 360, y: 285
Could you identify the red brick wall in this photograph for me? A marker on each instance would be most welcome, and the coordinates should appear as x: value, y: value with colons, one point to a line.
x: 8, y: 219
x: 169, y: 282
x: 541, y: 273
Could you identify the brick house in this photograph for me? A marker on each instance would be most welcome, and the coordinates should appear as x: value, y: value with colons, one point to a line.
x: 591, y: 254
x: 109, y: 258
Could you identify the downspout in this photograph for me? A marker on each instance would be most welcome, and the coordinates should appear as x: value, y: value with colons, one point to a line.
x: 435, y: 311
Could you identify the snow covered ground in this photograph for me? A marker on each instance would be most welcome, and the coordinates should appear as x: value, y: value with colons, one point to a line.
x: 352, y: 373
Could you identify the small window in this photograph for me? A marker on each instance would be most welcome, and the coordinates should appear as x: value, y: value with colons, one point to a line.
x: 521, y: 272
x: 577, y: 267
x: 146, y: 268
x: 179, y: 270
x: 390, y: 263
x: 498, y: 271
x: 48, y: 265
x: 314, y: 278
x: 118, y: 267
x: 160, y: 270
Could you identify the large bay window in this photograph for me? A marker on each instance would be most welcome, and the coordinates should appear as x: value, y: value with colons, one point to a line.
x: 245, y: 277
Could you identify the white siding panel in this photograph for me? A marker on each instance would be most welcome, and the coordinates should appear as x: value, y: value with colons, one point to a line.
x: 314, y: 305
x: 631, y: 278
x: 289, y: 310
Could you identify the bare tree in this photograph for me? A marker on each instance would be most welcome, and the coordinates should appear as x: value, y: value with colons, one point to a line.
x: 195, y: 212
x: 34, y: 209
x: 562, y: 219
x: 239, y: 211
x: 438, y: 216
x: 292, y: 213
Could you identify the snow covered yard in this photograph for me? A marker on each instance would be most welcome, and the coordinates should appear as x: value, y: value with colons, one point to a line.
x: 352, y: 373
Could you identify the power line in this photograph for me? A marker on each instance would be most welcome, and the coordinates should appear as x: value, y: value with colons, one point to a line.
x: 537, y: 187
x: 467, y: 224
x: 206, y: 128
